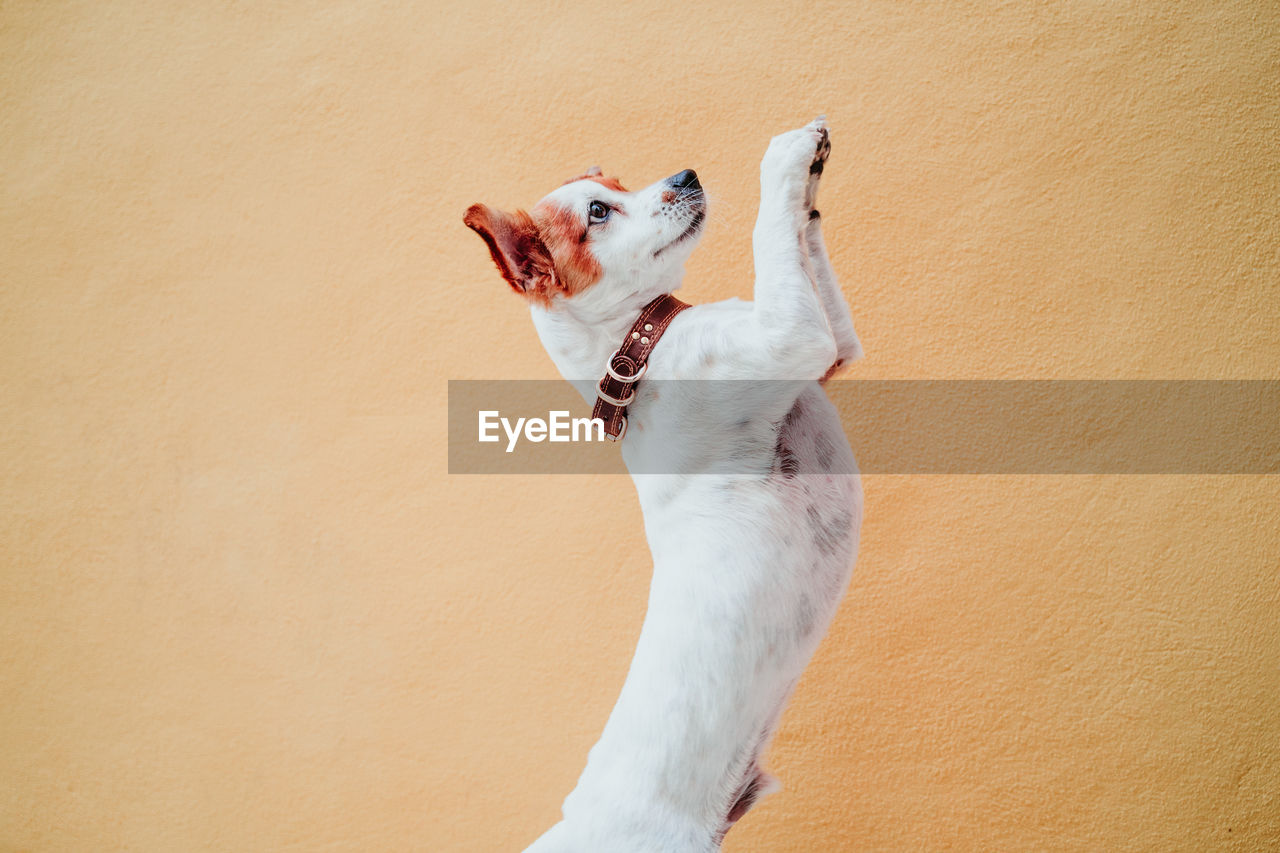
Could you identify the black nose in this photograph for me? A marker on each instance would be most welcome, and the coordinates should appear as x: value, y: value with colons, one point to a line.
x: 686, y: 180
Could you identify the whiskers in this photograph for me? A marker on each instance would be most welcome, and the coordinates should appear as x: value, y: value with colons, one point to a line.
x: 687, y: 208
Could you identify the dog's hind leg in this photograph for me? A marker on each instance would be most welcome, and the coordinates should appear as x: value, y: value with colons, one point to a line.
x: 848, y: 347
x: 834, y: 305
x: 755, y: 787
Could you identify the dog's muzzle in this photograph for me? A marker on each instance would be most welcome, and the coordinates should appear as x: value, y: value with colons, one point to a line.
x: 685, y: 195
x: 685, y: 182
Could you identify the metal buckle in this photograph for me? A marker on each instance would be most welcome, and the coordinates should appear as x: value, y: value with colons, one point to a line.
x: 621, y: 432
x: 626, y: 380
x: 622, y: 404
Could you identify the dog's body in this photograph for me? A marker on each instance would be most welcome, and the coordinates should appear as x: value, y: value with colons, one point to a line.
x: 754, y: 540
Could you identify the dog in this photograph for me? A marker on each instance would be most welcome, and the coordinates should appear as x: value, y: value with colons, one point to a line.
x: 753, y: 521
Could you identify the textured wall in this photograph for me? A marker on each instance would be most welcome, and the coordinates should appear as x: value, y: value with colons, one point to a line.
x: 243, y: 607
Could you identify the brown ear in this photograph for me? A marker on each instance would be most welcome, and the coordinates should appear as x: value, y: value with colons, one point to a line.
x: 517, y: 249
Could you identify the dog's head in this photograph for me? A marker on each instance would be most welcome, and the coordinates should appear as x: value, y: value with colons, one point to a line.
x: 591, y: 234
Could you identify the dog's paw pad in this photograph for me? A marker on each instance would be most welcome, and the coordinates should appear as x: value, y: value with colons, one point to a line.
x: 813, y: 214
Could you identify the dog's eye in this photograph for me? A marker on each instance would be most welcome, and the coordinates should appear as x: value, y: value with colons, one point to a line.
x: 598, y: 211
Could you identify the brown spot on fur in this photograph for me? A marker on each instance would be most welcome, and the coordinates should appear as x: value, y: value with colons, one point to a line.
x: 594, y: 174
x: 611, y: 183
x: 566, y: 237
x: 829, y: 534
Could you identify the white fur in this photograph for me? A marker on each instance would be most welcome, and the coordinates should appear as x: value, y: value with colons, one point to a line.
x: 748, y: 563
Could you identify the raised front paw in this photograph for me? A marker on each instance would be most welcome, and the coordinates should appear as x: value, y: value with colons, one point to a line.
x: 792, y: 163
x: 815, y: 173
x: 824, y: 147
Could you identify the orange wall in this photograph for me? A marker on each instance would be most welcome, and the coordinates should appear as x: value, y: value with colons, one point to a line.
x: 243, y: 607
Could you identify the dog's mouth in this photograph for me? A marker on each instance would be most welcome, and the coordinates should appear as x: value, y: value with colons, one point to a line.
x: 695, y: 224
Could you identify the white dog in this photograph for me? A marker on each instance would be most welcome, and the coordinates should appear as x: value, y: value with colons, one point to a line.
x: 754, y: 515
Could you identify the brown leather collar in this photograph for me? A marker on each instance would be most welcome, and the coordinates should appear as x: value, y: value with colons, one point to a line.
x: 629, y: 362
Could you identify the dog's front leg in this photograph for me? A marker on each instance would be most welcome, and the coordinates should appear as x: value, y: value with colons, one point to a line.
x: 834, y: 304
x: 789, y: 317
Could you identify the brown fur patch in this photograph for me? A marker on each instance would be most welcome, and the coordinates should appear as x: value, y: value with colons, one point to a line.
x: 611, y: 183
x: 565, y: 235
x: 595, y: 175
